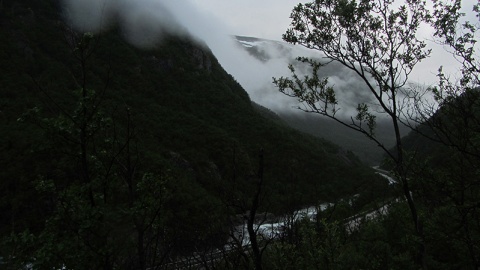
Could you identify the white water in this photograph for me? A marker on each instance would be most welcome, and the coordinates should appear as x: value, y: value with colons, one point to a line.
x: 271, y: 230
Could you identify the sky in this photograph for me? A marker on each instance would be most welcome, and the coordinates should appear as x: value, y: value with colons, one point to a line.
x: 270, y: 18
x: 266, y: 18
x: 213, y: 22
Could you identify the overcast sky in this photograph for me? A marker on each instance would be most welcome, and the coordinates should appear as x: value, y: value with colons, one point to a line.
x: 265, y: 18
x: 270, y: 18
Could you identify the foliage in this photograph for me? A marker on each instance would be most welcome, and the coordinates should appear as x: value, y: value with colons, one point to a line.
x: 438, y: 162
x: 379, y: 42
x: 124, y: 158
x: 382, y: 243
x: 449, y: 127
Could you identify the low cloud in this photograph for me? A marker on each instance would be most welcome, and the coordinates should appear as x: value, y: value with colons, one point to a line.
x: 142, y: 22
x: 145, y: 22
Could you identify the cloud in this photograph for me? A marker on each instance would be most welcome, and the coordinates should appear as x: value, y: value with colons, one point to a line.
x: 89, y: 15
x: 349, y: 87
x: 144, y: 22
x: 266, y: 18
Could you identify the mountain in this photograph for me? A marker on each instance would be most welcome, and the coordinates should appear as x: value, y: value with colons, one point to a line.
x: 273, y: 53
x: 451, y: 131
x: 106, y: 147
x: 367, y: 150
x: 265, y: 49
x: 442, y: 155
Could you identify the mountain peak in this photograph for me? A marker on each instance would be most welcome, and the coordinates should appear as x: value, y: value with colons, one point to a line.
x: 264, y: 49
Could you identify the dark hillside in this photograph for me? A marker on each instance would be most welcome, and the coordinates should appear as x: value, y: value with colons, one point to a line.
x: 91, y: 120
x: 444, y: 162
x: 453, y: 128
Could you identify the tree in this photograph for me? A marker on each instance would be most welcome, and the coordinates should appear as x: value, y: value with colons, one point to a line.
x: 459, y: 37
x: 104, y: 206
x: 381, y: 45
x: 246, y: 239
x: 450, y: 123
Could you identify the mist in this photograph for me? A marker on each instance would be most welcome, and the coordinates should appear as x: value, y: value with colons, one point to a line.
x: 145, y: 22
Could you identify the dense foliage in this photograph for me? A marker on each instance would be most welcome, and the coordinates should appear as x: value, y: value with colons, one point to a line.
x: 115, y: 157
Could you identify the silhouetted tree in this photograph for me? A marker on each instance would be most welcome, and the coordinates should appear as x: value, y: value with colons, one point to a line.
x: 379, y: 42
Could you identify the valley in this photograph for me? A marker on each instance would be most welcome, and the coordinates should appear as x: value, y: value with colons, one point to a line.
x: 126, y: 142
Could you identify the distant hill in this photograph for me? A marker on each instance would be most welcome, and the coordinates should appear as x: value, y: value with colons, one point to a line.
x: 450, y: 132
x: 367, y: 150
x: 268, y: 50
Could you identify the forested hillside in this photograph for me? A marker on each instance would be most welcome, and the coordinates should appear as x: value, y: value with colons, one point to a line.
x: 114, y: 156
